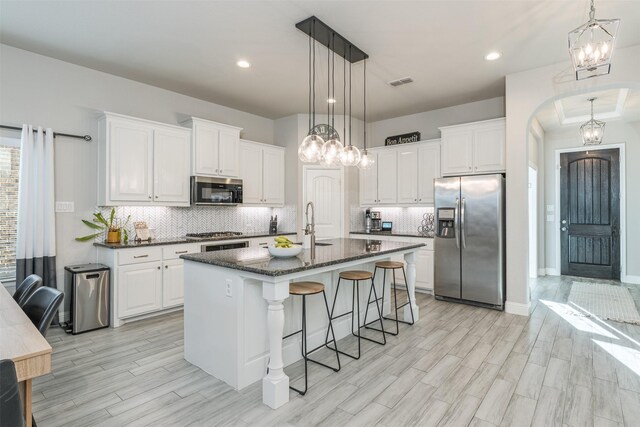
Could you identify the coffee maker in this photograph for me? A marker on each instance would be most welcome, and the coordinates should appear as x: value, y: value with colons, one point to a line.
x: 376, y: 221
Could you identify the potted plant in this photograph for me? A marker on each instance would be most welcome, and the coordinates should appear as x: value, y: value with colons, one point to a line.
x: 114, y: 232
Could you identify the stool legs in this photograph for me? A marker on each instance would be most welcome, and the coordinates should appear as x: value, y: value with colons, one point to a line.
x: 395, y: 300
x: 305, y: 352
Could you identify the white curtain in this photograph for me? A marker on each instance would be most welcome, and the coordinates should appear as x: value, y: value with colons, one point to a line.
x: 36, y: 243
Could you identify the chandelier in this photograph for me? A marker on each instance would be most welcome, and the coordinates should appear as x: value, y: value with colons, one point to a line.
x: 325, y: 146
x: 593, y: 130
x: 591, y: 46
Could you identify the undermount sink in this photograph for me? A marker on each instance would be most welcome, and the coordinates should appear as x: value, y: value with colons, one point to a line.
x: 317, y: 244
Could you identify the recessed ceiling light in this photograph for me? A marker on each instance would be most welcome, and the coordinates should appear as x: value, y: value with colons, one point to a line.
x: 243, y: 64
x: 331, y: 101
x: 492, y: 56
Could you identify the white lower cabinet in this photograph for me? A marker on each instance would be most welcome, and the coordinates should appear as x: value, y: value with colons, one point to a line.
x: 172, y: 283
x: 139, y: 288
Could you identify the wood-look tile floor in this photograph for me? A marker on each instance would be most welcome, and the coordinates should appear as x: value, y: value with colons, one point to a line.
x: 459, y: 365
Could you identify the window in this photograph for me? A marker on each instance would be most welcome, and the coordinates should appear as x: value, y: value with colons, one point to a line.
x: 9, y: 174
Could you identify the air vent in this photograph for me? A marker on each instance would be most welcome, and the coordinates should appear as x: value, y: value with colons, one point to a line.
x: 400, y: 82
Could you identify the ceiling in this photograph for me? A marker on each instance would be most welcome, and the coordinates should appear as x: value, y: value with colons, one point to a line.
x: 191, y: 47
x: 610, y: 105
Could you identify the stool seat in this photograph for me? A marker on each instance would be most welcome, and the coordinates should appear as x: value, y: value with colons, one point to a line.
x: 356, y: 275
x: 305, y: 288
x: 389, y: 264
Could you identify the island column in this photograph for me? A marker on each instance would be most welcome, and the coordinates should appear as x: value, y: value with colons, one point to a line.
x: 275, y: 385
x: 410, y: 258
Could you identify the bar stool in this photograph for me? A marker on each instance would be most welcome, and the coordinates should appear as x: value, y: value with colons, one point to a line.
x: 306, y: 289
x: 393, y: 266
x: 356, y: 276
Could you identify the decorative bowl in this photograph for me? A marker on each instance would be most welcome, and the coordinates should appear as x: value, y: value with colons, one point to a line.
x: 284, y: 252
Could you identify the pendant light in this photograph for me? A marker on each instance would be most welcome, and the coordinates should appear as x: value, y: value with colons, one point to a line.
x: 331, y: 149
x: 350, y: 154
x: 366, y: 159
x: 591, y: 46
x: 593, y: 130
x: 310, y: 150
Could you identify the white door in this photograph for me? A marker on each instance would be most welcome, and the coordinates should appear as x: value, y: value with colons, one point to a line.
x: 173, y: 283
x: 323, y: 187
x: 457, y: 152
x: 171, y: 149
x: 533, y: 223
x: 205, y: 150
x: 228, y: 153
x: 428, y: 170
x: 387, y: 176
x: 369, y: 183
x: 130, y: 161
x: 488, y: 149
x: 273, y: 175
x: 251, y: 172
x: 407, y: 174
x: 139, y: 288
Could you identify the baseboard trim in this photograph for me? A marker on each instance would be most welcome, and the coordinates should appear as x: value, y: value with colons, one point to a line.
x: 635, y: 280
x: 552, y: 272
x: 518, y: 308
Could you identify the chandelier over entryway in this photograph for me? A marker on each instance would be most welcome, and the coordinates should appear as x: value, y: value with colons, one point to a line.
x: 323, y: 143
x: 593, y: 130
x: 591, y: 46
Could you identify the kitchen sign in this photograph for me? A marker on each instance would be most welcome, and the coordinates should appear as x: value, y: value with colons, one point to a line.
x: 402, y: 139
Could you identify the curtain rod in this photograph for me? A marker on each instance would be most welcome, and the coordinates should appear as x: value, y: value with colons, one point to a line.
x: 85, y: 137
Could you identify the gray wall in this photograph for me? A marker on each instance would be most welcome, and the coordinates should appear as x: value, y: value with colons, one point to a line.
x: 39, y: 90
x: 427, y: 123
x: 616, y: 132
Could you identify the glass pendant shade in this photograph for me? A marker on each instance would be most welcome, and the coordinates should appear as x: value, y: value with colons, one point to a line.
x: 331, y: 152
x: 350, y: 156
x: 593, y: 130
x: 310, y: 150
x: 591, y: 46
x: 366, y: 160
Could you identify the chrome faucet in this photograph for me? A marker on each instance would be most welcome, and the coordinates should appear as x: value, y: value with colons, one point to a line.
x: 310, y: 228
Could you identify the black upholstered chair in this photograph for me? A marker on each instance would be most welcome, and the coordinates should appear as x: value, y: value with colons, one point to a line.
x: 42, y: 306
x: 11, y: 409
x: 25, y: 289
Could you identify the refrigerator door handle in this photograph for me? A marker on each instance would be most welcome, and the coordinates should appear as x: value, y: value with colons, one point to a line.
x: 456, y: 228
x: 462, y: 227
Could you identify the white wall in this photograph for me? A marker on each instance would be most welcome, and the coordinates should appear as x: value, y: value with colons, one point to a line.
x: 428, y: 122
x: 39, y: 90
x: 615, y: 133
x: 526, y: 92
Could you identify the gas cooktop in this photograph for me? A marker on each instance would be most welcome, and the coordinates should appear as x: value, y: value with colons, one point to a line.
x: 213, y: 235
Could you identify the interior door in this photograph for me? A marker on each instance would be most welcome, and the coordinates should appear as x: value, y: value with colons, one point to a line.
x: 171, y: 164
x: 323, y: 188
x: 590, y: 213
x: 481, y: 238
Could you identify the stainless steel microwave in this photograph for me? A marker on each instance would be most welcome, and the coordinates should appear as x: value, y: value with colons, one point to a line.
x: 215, y: 191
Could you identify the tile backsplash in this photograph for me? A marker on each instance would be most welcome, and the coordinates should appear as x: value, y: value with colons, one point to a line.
x: 405, y: 219
x: 174, y: 222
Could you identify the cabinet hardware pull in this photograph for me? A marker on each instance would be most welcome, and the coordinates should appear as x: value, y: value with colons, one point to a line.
x: 149, y: 195
x: 181, y: 252
x: 166, y: 266
x: 140, y: 256
x: 158, y: 267
x: 156, y: 197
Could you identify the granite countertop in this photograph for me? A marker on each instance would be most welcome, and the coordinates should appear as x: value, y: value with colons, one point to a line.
x: 180, y: 240
x: 394, y: 233
x: 257, y: 260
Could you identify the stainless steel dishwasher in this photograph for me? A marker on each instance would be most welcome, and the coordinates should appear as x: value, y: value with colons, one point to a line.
x: 90, y: 293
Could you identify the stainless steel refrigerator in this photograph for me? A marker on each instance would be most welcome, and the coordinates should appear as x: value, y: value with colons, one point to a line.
x: 469, y: 240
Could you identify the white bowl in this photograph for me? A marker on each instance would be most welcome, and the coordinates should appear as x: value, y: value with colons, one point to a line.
x: 284, y: 252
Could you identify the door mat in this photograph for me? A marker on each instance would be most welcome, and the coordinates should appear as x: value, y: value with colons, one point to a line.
x: 608, y: 302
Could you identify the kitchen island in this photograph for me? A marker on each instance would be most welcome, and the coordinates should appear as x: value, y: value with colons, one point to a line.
x: 237, y: 310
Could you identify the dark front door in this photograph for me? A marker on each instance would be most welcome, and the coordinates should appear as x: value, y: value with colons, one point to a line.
x: 590, y: 213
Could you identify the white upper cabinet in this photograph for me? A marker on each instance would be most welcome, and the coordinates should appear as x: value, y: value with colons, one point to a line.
x: 428, y: 170
x: 369, y: 182
x: 387, y: 176
x: 262, y: 173
x: 215, y: 148
x: 142, y: 162
x: 473, y: 148
x: 407, y: 174
x: 171, y: 149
